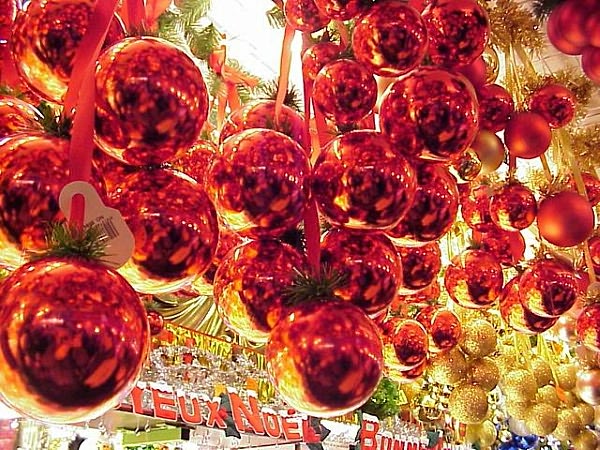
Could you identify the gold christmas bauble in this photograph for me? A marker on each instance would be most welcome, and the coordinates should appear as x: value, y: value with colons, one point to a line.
x: 519, y: 385
x: 518, y: 410
x: 585, y: 413
x: 507, y: 360
x: 569, y: 425
x: 541, y: 419
x: 566, y: 376
x: 485, y: 373
x: 482, y: 433
x: 541, y: 371
x: 411, y: 390
x: 547, y: 394
x: 586, y: 440
x: 479, y: 338
x: 468, y: 403
x: 449, y: 368
x: 570, y: 399
x: 492, y: 64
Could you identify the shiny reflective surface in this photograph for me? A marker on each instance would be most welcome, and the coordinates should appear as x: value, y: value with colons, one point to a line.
x: 588, y: 327
x: 17, y: 116
x: 420, y: 266
x: 513, y: 207
x: 304, y: 15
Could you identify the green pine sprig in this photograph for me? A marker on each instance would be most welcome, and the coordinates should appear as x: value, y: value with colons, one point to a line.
x: 66, y: 240
x: 276, y: 17
x: 308, y: 287
x: 385, y: 401
x: 268, y: 91
x: 53, y: 122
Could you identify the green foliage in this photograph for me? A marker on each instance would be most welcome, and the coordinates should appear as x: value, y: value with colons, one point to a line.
x: 53, y: 122
x: 268, y: 91
x: 308, y: 287
x: 276, y: 17
x: 385, y: 402
x: 64, y: 239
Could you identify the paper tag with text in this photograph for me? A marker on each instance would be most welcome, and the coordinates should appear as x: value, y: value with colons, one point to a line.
x: 119, y: 238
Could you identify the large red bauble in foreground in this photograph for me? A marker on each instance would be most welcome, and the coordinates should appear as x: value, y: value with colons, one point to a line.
x: 565, y: 219
x: 325, y: 358
x: 17, y: 116
x: 151, y: 101
x: 73, y: 338
x: 588, y: 327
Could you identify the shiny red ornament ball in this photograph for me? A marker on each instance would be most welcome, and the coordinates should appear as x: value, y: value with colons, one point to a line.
x: 409, y: 341
x: 527, y: 135
x: 175, y: 228
x: 430, y: 114
x: 17, y: 116
x: 196, y: 160
x: 592, y: 187
x: 475, y: 209
x: 566, y: 26
x: 496, y: 106
x: 476, y: 72
x: 113, y: 171
x: 8, y: 9
x: 565, y: 219
x: 370, y: 266
x: 474, y: 279
x: 390, y: 39
x: 420, y: 266
x: 443, y: 326
x: 433, y: 210
x: 590, y: 63
x: 342, y: 9
x: 304, y: 15
x: 555, y: 103
x: 344, y: 91
x: 548, y: 288
x: 74, y: 336
x: 594, y: 245
x: 458, y: 31
x: 258, y: 182
x: 325, y: 358
x: 250, y: 286
x: 317, y: 56
x: 261, y: 114
x: 513, y: 207
x: 45, y: 37
x: 588, y: 327
x: 420, y: 298
x: 360, y: 181
x: 156, y: 322
x: 508, y: 247
x: 151, y: 101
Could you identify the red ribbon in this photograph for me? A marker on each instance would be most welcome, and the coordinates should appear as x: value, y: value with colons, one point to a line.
x: 284, y: 69
x: 8, y: 71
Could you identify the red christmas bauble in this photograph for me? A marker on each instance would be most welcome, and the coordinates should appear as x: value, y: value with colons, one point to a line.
x: 568, y: 21
x: 342, y: 9
x: 555, y: 103
x: 156, y: 322
x: 344, y: 91
x: 508, y: 247
x: 370, y: 265
x: 548, y: 288
x: 430, y: 114
x: 588, y: 327
x: 304, y: 15
x: 17, y: 116
x: 196, y: 160
x: 433, y: 210
x: 113, y: 171
x: 475, y: 209
x: 317, y: 56
x: 517, y: 316
x: 420, y: 266
x: 250, y: 286
x: 325, y: 358
x: 477, y: 73
x: 443, y: 326
x: 408, y: 340
x: 8, y: 9
x: 258, y: 182
x: 175, y: 228
x: 592, y: 187
x: 565, y: 219
x: 360, y: 181
x: 420, y: 298
x: 405, y: 376
x: 390, y: 39
x: 45, y: 38
x: 458, y: 31
x: 490, y: 150
x: 590, y: 63
x: 527, y: 135
x: 513, y: 207
x: 151, y: 101
x: 496, y: 106
x: 594, y: 245
x: 592, y: 27
x: 261, y: 114
x: 74, y: 337
x: 474, y: 279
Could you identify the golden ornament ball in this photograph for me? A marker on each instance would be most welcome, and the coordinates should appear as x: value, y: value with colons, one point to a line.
x: 411, y: 390
x: 587, y: 440
x: 547, y: 394
x: 490, y: 150
x: 518, y: 410
x: 449, y: 367
x: 569, y: 425
x: 482, y: 433
x: 519, y: 385
x: 541, y: 419
x: 566, y: 376
x: 485, y: 373
x: 570, y: 399
x: 479, y: 338
x: 587, y: 357
x: 588, y: 386
x: 507, y: 360
x: 541, y: 371
x: 492, y: 64
x: 585, y: 412
x: 468, y: 403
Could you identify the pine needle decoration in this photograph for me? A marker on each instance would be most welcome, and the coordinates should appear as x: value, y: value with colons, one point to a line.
x: 307, y: 287
x: 53, y: 122
x: 276, y: 17
x: 268, y: 91
x: 64, y: 239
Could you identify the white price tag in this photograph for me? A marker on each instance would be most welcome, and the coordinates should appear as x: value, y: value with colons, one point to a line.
x: 119, y: 238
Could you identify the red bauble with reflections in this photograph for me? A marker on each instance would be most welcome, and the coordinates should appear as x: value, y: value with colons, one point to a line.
x: 45, y: 38
x: 8, y: 9
x: 555, y: 103
x: 344, y: 91
x: 513, y: 207
x: 359, y: 181
x: 548, y: 288
x: 317, y: 56
x: 73, y: 341
x: 408, y: 340
x: 443, y: 326
x: 250, y: 286
x: 151, y: 101
x: 508, y: 247
x: 390, y: 39
x: 261, y: 114
x: 474, y: 279
x: 566, y: 26
x: 342, y: 9
x: 175, y: 228
x: 369, y: 264
x: 475, y: 209
x: 433, y: 210
x: 304, y: 15
x: 588, y: 327
x: 590, y: 63
x: 325, y: 358
x: 420, y: 266
x: 430, y: 114
x: 258, y: 182
x: 156, y: 322
x: 594, y: 245
x: 496, y: 106
x: 458, y: 31
x: 196, y: 160
x: 17, y: 116
x: 527, y: 135
x: 476, y: 73
x: 592, y: 187
x: 113, y: 171
x: 565, y: 219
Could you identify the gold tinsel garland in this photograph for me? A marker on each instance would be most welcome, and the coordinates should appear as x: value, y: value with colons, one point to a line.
x: 513, y: 24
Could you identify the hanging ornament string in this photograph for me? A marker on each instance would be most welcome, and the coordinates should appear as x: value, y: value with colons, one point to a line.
x: 136, y: 15
x: 284, y: 70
